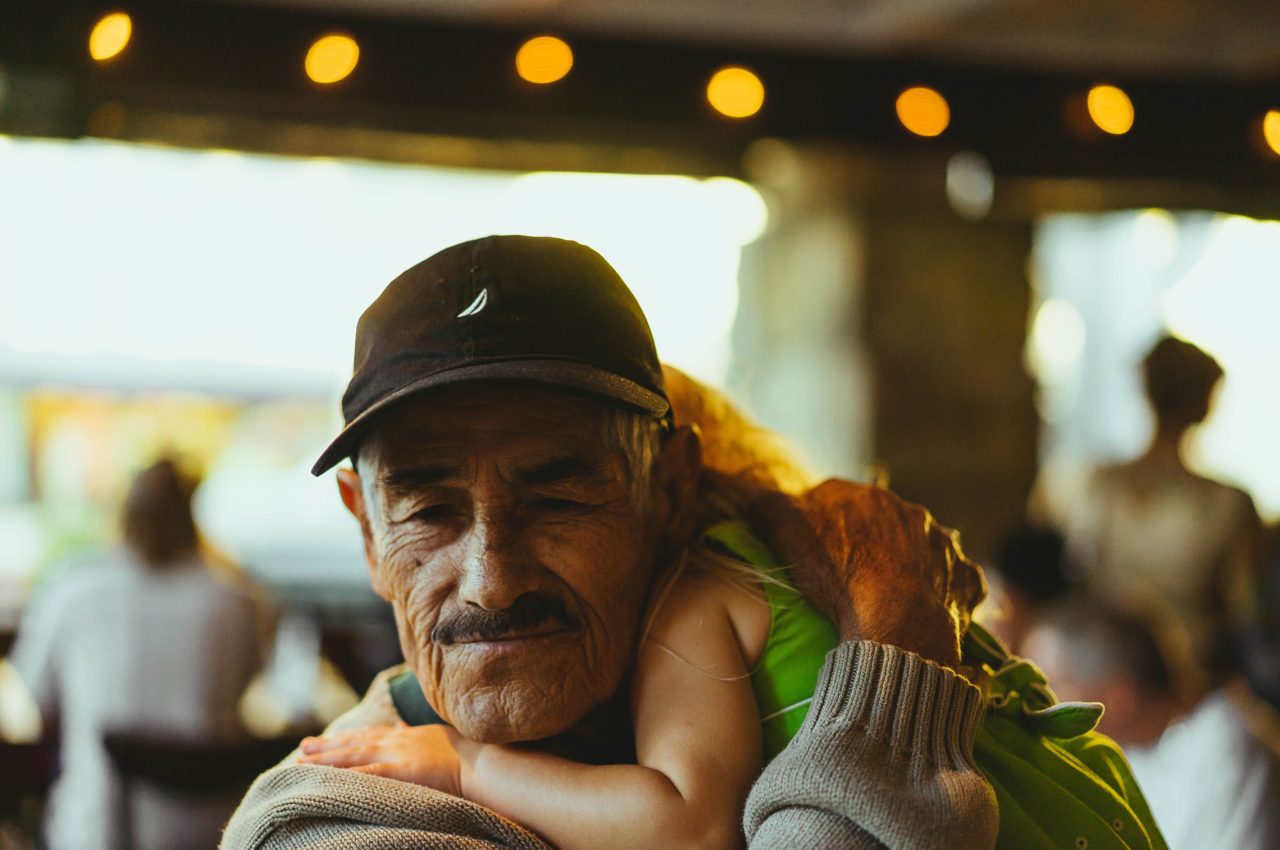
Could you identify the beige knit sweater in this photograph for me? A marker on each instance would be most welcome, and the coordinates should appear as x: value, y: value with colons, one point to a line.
x: 884, y: 760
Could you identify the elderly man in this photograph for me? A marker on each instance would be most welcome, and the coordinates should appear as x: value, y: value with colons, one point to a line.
x: 519, y: 483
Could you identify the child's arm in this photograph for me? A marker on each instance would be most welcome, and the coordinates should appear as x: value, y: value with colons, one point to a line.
x: 697, y: 743
x: 698, y: 747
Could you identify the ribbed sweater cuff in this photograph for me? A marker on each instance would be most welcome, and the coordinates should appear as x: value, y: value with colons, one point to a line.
x: 911, y: 705
x: 887, y: 746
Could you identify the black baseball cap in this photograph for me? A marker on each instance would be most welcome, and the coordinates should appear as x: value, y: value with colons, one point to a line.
x: 503, y: 308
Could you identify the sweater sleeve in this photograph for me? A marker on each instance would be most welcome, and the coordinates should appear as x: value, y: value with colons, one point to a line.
x: 312, y: 807
x: 884, y: 759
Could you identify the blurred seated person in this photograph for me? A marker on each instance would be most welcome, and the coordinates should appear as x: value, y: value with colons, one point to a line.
x: 1026, y: 578
x: 148, y: 640
x: 1157, y: 540
x: 1210, y: 779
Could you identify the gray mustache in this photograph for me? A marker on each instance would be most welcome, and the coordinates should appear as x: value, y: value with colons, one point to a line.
x: 529, y: 611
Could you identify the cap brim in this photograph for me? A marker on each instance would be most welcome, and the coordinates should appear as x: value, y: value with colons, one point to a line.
x: 567, y: 374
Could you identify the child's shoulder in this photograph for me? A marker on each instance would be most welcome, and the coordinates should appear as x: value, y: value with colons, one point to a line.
x: 697, y: 604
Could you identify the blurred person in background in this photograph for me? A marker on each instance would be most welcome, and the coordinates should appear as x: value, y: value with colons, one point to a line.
x: 1157, y: 540
x: 153, y: 640
x: 1026, y: 577
x: 1209, y: 774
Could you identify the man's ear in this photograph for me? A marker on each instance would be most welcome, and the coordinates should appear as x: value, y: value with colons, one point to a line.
x: 353, y: 497
x: 673, y: 483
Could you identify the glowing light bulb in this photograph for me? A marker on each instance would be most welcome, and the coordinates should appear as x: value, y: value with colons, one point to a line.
x: 1111, y: 109
x: 110, y: 36
x: 923, y: 111
x: 544, y: 59
x: 1271, y: 130
x: 332, y: 58
x: 735, y: 92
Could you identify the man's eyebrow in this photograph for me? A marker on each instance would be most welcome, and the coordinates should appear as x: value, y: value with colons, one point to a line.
x: 556, y: 470
x: 418, y: 477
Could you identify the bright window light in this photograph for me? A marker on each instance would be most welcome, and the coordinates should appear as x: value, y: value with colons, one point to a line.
x: 1227, y: 303
x: 1110, y: 285
x: 131, y: 266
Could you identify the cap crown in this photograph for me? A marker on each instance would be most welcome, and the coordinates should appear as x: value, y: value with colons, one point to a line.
x: 522, y: 308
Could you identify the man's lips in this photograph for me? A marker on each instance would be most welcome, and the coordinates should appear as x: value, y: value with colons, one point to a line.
x: 547, y: 630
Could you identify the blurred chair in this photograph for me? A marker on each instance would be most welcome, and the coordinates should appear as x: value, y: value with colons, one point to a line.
x: 199, y: 783
x: 26, y: 772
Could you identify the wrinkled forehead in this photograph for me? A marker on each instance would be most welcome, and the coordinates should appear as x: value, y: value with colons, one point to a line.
x: 504, y: 423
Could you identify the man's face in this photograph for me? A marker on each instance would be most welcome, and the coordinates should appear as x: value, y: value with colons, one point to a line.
x: 505, y: 531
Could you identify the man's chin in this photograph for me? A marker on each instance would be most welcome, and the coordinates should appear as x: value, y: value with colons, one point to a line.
x: 503, y: 697
x: 515, y: 718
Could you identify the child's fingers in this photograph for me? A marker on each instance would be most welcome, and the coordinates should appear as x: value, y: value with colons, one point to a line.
x: 349, y: 756
x: 338, y: 740
x: 324, y: 743
x: 318, y: 744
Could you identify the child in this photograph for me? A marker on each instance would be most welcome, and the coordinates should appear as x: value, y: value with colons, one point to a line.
x: 725, y: 668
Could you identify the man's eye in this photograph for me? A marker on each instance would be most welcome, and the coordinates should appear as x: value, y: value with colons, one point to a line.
x: 435, y: 513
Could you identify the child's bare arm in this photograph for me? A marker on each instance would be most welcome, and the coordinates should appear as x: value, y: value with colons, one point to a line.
x: 697, y: 745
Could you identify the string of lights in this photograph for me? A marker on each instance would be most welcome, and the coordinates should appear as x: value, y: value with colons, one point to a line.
x: 488, y: 81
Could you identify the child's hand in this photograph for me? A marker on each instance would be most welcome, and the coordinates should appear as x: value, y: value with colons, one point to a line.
x: 425, y: 755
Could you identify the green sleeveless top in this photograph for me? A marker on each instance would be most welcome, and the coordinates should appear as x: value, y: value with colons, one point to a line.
x: 786, y: 673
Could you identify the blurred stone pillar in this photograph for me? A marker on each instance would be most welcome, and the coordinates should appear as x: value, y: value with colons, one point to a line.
x: 797, y: 364
x: 878, y: 327
x: 946, y: 307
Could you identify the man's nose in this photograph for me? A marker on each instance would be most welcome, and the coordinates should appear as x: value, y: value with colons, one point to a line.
x: 494, y: 570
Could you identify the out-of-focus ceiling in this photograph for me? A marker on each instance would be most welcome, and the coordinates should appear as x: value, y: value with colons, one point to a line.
x: 1157, y: 38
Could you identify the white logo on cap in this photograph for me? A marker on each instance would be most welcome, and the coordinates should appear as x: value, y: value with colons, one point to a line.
x: 476, y: 306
